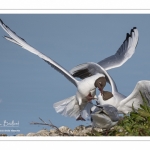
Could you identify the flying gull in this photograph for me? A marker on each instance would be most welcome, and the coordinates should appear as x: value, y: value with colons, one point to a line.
x: 74, y: 105
x: 125, y: 52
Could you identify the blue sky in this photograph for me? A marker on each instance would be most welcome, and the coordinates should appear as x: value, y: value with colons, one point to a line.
x: 29, y: 86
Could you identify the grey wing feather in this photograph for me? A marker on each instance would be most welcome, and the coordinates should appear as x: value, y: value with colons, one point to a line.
x: 125, y: 51
x: 111, y: 111
x: 21, y: 42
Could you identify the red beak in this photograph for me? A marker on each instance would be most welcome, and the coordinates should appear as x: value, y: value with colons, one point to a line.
x: 101, y: 91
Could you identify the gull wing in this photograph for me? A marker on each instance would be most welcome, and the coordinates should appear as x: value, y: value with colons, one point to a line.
x: 21, y: 42
x: 102, y: 120
x: 109, y: 110
x: 91, y: 68
x: 125, y: 51
x: 135, y: 97
x: 82, y: 71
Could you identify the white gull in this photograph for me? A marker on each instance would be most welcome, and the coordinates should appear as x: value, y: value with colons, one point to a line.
x: 74, y: 105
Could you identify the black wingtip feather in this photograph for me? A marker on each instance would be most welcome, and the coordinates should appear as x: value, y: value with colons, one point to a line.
x: 131, y: 31
x: 1, y: 21
x: 129, y: 35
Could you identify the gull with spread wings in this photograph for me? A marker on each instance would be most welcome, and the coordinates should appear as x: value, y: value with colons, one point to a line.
x: 93, y: 75
x: 74, y: 105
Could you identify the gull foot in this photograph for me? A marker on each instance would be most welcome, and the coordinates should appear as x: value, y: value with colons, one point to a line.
x: 90, y: 97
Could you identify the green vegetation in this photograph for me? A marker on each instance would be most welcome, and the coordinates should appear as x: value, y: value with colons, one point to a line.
x: 136, y: 124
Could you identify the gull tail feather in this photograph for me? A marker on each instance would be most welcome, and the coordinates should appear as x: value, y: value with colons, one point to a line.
x: 68, y: 107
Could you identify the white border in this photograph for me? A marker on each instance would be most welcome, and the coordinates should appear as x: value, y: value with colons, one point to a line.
x: 74, y: 7
x: 78, y: 11
x: 75, y: 138
x: 74, y: 4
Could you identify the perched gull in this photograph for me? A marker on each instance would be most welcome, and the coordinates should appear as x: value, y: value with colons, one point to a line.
x: 104, y: 116
x: 74, y: 105
x: 124, y: 104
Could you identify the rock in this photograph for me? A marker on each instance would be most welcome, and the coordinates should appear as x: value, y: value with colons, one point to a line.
x: 20, y: 135
x: 40, y: 133
x: 3, y: 134
x: 88, y: 129
x: 65, y: 129
x: 54, y: 132
x: 78, y: 131
x: 82, y: 130
x: 31, y: 134
x: 43, y: 133
x: 120, y: 130
x: 98, y: 129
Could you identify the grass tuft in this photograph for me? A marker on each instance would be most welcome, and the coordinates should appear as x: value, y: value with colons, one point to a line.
x: 136, y: 124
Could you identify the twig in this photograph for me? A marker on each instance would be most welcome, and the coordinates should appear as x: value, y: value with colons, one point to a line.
x: 51, y: 125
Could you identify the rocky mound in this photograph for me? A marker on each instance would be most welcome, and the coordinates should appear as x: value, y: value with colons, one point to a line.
x: 64, y: 131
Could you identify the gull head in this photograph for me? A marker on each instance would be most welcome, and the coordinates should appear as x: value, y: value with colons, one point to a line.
x: 100, y: 84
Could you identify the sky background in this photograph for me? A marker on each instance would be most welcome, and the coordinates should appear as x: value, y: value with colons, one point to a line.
x: 29, y: 87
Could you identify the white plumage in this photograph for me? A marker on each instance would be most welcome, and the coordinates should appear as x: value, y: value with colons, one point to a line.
x: 135, y: 98
x: 125, y: 52
x: 123, y: 103
x: 122, y: 107
x: 89, y: 72
x: 71, y: 106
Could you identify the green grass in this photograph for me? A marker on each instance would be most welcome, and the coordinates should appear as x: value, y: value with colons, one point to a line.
x: 136, y: 124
